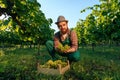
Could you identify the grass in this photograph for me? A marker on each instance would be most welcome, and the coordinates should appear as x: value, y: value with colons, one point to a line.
x: 104, y: 54
x: 101, y: 64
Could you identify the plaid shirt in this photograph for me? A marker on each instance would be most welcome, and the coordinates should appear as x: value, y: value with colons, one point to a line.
x: 73, y: 38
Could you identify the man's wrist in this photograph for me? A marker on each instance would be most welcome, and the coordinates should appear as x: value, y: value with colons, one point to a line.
x: 70, y: 50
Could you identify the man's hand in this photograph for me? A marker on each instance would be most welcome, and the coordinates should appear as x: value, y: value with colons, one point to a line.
x: 69, y: 50
x: 59, y: 50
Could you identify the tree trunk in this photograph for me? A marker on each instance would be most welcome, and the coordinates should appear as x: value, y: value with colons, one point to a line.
x: 30, y: 45
x: 37, y: 55
x: 93, y: 47
x: 110, y: 42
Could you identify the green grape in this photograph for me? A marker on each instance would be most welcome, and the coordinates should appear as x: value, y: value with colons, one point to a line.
x: 60, y: 62
x: 63, y: 48
x: 51, y: 64
x: 66, y: 47
x: 60, y: 46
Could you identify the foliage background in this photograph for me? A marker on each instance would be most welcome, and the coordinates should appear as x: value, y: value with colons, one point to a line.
x: 25, y: 29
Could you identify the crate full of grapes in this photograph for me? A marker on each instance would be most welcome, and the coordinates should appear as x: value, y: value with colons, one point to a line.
x: 53, y: 67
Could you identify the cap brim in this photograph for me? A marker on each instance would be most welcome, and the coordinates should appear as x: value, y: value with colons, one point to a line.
x: 61, y: 21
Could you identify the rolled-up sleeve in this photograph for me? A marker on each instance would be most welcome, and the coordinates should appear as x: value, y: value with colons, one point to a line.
x: 74, y: 40
x: 56, y: 40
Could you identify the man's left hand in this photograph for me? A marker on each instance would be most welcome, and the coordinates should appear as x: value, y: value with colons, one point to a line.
x: 69, y: 50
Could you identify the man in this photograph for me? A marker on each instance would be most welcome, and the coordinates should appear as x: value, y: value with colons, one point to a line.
x: 64, y: 36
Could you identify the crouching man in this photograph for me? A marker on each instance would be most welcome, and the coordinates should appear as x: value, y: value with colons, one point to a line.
x: 64, y: 36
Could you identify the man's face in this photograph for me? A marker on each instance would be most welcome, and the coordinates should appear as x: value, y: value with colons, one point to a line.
x: 63, y: 27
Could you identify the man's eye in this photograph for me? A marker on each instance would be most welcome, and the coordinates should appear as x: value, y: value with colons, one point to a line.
x: 59, y: 26
x: 63, y: 24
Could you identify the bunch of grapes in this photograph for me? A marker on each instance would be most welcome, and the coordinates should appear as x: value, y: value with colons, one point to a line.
x: 63, y: 48
x: 53, y: 64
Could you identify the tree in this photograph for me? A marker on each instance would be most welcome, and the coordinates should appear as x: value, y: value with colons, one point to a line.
x: 25, y: 18
x: 80, y: 29
x: 103, y: 23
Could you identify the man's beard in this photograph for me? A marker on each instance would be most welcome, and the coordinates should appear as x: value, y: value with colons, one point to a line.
x: 64, y: 32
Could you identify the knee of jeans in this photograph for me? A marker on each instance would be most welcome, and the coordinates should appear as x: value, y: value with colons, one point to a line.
x: 76, y: 58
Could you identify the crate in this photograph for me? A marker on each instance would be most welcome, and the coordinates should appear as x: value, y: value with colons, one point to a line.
x: 51, y: 71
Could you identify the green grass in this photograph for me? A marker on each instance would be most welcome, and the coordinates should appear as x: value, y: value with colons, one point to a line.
x: 20, y: 63
x: 101, y: 64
